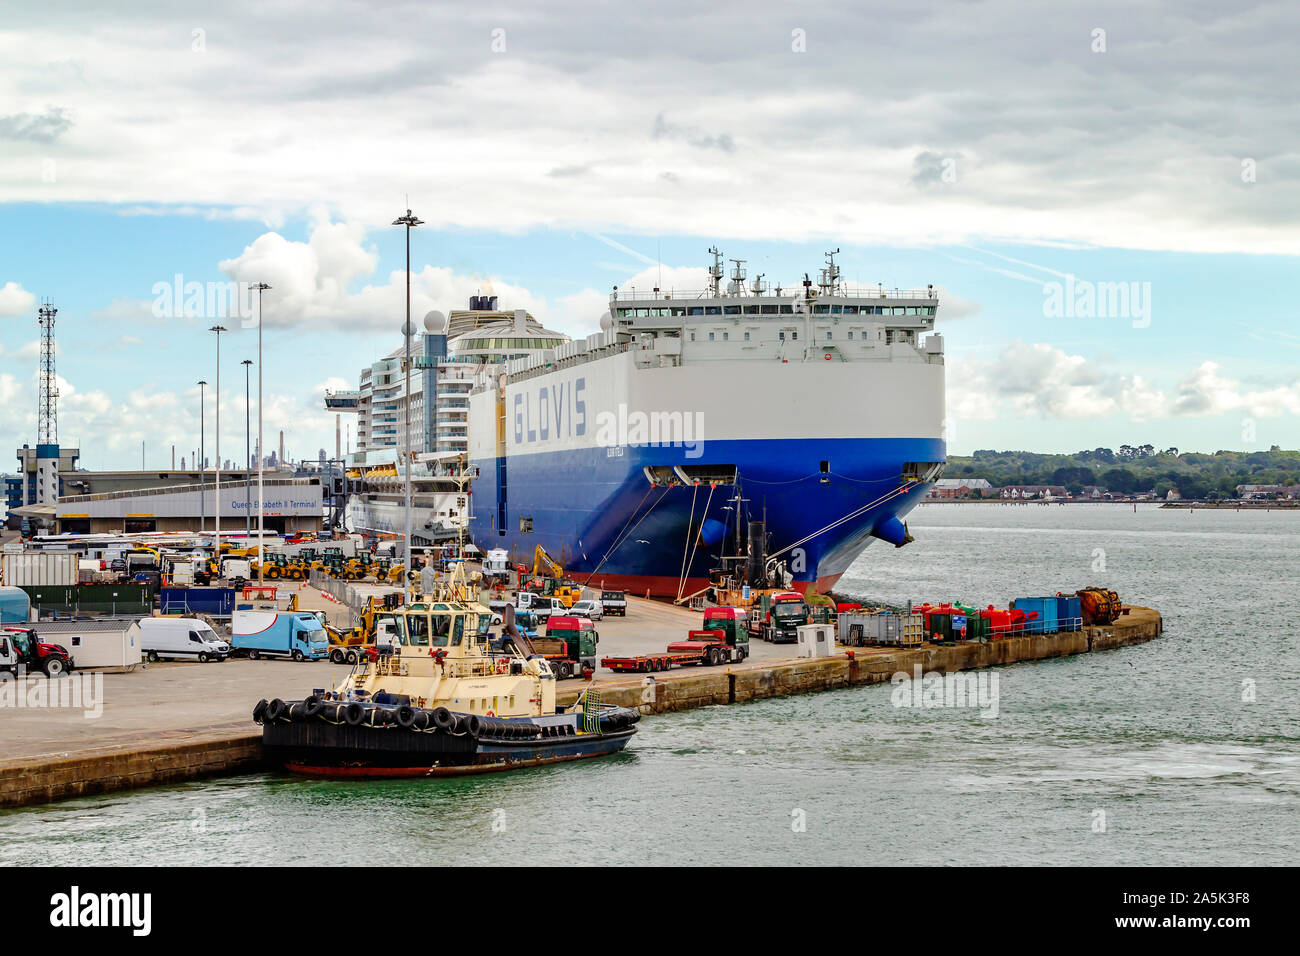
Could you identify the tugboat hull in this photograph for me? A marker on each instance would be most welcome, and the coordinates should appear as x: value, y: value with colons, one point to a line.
x: 317, y: 746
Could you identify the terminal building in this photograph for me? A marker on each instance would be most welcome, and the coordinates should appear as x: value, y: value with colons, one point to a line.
x: 291, y: 504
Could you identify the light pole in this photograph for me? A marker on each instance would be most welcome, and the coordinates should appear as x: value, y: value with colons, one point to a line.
x: 248, y: 460
x: 203, y: 449
x: 260, y: 287
x: 410, y: 222
x: 216, y: 510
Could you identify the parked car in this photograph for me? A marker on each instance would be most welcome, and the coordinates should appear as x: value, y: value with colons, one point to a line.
x: 181, y: 638
x: 588, y: 608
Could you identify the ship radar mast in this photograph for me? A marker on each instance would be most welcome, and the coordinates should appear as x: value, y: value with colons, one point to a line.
x: 758, y: 286
x: 830, y: 277
x: 737, y: 284
x: 715, y: 270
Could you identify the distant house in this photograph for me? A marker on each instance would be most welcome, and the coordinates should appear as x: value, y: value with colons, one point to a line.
x: 1044, y: 492
x: 1268, y: 491
x: 1093, y: 493
x: 961, y: 488
x: 1173, y: 494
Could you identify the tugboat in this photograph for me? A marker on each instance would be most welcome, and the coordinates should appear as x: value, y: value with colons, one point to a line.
x: 450, y: 699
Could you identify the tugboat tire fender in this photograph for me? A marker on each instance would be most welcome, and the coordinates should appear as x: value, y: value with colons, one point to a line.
x: 276, y: 710
x: 353, y: 714
x: 443, y: 718
x: 259, y: 710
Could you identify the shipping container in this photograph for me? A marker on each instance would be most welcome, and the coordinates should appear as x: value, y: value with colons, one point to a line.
x: 214, y: 602
x: 110, y: 599
x: 857, y: 629
x: 1069, y: 613
x: 40, y: 569
x: 1046, y: 610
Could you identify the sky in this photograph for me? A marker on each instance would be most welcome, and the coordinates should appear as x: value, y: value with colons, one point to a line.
x: 1105, y: 195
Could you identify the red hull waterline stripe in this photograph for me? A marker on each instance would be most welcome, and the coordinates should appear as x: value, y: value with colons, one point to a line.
x: 312, y: 771
x: 638, y: 584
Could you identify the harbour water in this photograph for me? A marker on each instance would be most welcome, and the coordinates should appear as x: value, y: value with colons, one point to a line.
x: 1182, y: 751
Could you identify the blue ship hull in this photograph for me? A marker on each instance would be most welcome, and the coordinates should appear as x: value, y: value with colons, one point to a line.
x: 595, y: 511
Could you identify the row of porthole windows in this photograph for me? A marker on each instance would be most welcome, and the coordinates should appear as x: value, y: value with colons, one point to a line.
x: 775, y: 309
x: 890, y: 335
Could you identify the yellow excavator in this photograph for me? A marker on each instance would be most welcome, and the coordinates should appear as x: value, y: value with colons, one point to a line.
x: 374, y: 631
x: 548, y: 578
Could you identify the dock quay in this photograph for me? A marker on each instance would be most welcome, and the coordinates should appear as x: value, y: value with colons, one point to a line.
x: 172, y: 722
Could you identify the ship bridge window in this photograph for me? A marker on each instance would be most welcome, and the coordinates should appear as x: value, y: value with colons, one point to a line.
x: 850, y: 310
x: 751, y: 310
x: 785, y: 309
x: 731, y: 310
x: 712, y: 310
x: 458, y: 631
x: 416, y: 630
x: 695, y: 310
x: 821, y: 309
x: 837, y: 310
x: 440, y: 630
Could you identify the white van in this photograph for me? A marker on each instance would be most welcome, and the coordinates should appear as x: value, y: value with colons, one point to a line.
x: 180, y: 638
x: 542, y: 605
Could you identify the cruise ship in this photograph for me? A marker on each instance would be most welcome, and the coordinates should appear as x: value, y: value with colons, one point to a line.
x: 425, y: 417
x: 645, y: 456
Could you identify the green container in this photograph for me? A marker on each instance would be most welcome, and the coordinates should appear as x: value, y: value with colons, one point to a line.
x: 941, y: 627
x: 977, y: 628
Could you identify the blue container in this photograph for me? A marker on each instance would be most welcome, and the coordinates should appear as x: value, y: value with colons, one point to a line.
x: 15, y: 606
x: 1069, y: 613
x: 1046, y: 610
x: 215, y: 602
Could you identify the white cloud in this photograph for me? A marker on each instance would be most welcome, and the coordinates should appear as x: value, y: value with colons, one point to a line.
x: 1139, y: 147
x: 15, y: 300
x: 1042, y: 381
x: 1206, y: 392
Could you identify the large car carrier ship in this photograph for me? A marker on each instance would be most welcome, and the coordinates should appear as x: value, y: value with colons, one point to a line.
x: 701, y: 430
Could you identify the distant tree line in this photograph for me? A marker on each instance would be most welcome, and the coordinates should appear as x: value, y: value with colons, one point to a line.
x: 1134, y: 469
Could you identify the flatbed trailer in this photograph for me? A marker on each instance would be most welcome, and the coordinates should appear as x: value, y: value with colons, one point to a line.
x: 701, y: 648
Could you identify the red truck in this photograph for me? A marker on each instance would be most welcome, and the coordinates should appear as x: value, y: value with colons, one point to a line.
x: 722, y: 640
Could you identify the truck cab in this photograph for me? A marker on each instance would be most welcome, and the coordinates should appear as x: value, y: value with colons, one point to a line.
x: 777, y: 617
x: 297, y: 635
x: 579, y: 638
x: 731, y: 622
x: 614, y: 602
